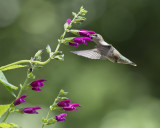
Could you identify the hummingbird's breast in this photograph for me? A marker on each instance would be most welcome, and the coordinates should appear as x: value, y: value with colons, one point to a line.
x: 108, y: 52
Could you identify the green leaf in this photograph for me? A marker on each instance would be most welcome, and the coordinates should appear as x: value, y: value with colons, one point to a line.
x: 4, y: 108
x: 13, y: 67
x: 48, y: 48
x: 38, y: 53
x: 82, y: 11
x: 9, y: 86
x: 64, y: 98
x: 44, y: 120
x: 81, y: 17
x: 51, y: 121
x: 74, y: 14
x: 59, y: 57
x: 8, y: 125
x: 65, y: 27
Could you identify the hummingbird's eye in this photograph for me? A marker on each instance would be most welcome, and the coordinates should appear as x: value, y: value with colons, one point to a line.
x: 95, y: 35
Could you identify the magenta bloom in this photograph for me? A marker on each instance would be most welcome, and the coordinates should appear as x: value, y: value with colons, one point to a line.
x: 71, y: 107
x: 37, y: 84
x: 86, y: 33
x: 61, y: 117
x: 80, y: 40
x: 64, y: 103
x: 74, y: 44
x: 20, y: 100
x: 68, y: 107
x: 68, y: 21
x: 31, y: 110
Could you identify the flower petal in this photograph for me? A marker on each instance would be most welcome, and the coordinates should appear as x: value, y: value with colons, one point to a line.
x: 68, y: 21
x: 64, y: 103
x: 74, y: 44
x: 61, y: 117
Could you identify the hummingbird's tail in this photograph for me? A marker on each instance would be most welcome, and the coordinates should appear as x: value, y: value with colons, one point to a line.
x: 133, y: 64
x: 91, y: 54
x: 124, y: 60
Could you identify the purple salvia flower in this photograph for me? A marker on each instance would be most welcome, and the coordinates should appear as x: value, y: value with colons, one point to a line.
x: 20, y: 100
x: 36, y: 89
x: 31, y: 110
x: 81, y: 40
x: 74, y: 44
x: 71, y: 107
x: 64, y: 103
x: 68, y: 107
x: 37, y: 84
x: 86, y: 33
x: 61, y: 117
x: 68, y: 21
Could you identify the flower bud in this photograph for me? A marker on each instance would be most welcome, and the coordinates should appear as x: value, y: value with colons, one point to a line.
x: 37, y: 84
x: 61, y: 117
x: 20, y: 100
x: 67, y: 24
x: 76, y: 32
x: 38, y: 53
x: 48, y: 48
x: 31, y: 110
x: 69, y: 39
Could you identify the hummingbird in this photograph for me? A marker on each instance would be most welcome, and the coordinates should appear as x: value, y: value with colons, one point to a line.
x: 104, y: 51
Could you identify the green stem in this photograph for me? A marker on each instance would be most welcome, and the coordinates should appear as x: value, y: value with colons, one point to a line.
x: 50, y: 109
x: 47, y: 116
x: 24, y: 84
x: 64, y: 33
x: 6, y: 115
x: 25, y: 61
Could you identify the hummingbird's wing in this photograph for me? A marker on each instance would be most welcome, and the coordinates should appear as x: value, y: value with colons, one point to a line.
x: 92, y: 53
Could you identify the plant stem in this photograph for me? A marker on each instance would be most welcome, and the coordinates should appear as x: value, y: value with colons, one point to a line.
x: 24, y: 84
x: 50, y: 108
x: 64, y: 33
x: 6, y: 115
x: 25, y: 61
x: 59, y: 43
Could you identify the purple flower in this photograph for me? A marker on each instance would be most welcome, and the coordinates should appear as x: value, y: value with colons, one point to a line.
x: 68, y: 21
x: 80, y: 40
x: 20, y: 100
x: 64, y: 103
x: 31, y: 69
x: 68, y: 107
x: 31, y: 110
x: 61, y: 117
x: 86, y: 33
x: 71, y: 107
x: 37, y: 84
x: 74, y: 44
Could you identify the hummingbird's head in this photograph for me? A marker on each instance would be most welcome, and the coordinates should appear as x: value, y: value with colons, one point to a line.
x: 97, y: 37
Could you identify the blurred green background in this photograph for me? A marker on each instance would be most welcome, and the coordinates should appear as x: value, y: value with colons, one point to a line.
x: 112, y: 95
